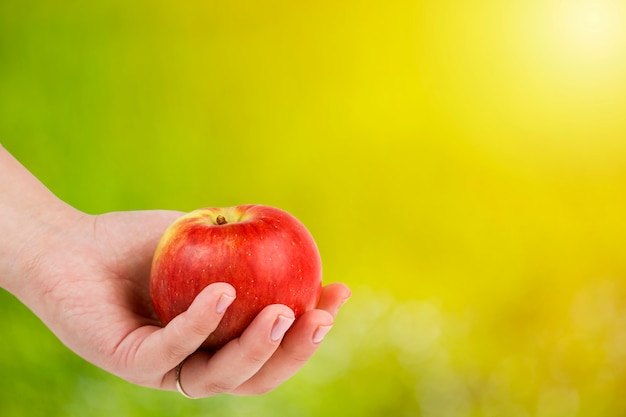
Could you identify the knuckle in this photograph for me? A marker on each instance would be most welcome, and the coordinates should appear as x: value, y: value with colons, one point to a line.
x: 261, y: 386
x: 195, y: 326
x: 300, y: 358
x: 185, y: 326
x: 297, y: 357
x: 219, y: 387
x: 175, y: 351
x: 176, y: 342
x: 198, y: 329
x: 264, y: 389
x: 256, y: 355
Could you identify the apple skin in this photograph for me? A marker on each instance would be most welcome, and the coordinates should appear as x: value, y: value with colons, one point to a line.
x: 265, y: 253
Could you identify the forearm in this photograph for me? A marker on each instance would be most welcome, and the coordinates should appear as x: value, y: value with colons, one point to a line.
x: 29, y: 214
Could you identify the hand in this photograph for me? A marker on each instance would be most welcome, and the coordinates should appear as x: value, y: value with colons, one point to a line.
x: 92, y: 287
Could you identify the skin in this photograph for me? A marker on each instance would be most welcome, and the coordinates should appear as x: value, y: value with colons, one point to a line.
x: 86, y: 277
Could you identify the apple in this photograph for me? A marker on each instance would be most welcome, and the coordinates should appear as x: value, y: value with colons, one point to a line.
x: 265, y: 253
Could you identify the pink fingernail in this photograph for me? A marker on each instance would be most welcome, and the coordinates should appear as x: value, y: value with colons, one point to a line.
x: 319, y: 334
x: 280, y: 327
x: 223, y: 303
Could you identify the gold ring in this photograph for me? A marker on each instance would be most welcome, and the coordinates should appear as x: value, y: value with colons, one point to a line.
x: 179, y: 387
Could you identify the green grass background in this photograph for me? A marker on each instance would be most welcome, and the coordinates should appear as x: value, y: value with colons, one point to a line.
x: 462, y: 166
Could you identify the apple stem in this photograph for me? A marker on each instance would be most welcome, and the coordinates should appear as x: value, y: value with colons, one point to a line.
x: 220, y: 220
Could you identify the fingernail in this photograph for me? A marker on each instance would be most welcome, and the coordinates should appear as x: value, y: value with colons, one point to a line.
x: 319, y: 334
x: 280, y: 327
x: 345, y: 300
x: 223, y: 303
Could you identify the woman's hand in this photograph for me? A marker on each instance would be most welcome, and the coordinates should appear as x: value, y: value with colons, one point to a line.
x: 92, y: 291
x: 87, y: 278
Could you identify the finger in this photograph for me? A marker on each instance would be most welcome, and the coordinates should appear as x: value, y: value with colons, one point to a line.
x: 333, y: 297
x: 182, y: 336
x: 300, y: 343
x: 240, y: 359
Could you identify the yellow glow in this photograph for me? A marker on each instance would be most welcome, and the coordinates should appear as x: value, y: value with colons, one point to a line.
x: 591, y: 28
x: 551, y: 82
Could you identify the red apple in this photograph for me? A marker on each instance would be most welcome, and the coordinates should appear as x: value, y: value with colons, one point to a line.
x: 266, y: 254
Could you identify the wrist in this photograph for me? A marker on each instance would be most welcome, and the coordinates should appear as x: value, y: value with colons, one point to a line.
x: 33, y: 233
x: 31, y: 217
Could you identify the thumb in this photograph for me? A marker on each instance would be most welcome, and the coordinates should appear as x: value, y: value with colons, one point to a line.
x: 182, y: 336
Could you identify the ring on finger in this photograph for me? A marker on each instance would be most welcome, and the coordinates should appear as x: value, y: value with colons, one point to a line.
x: 179, y: 387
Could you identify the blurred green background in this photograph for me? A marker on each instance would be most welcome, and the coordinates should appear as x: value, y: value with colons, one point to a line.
x: 462, y: 166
